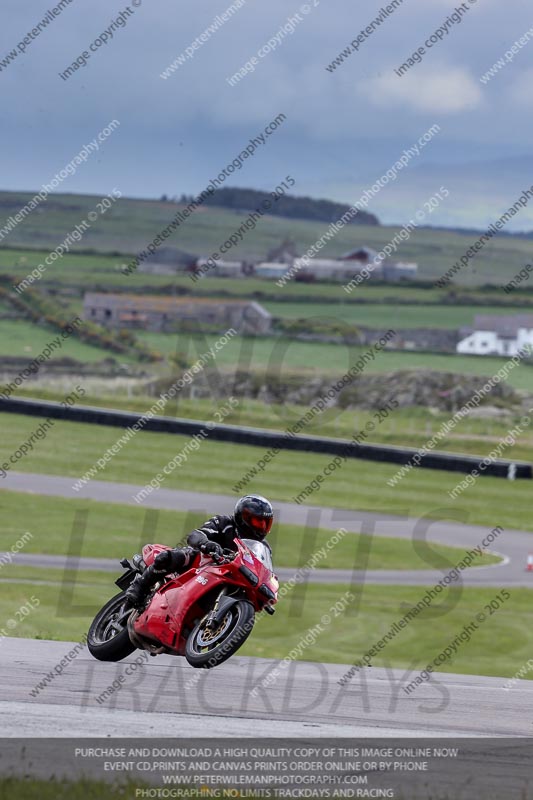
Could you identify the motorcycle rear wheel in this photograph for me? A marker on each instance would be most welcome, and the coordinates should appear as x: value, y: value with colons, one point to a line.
x: 208, y: 648
x: 108, y: 638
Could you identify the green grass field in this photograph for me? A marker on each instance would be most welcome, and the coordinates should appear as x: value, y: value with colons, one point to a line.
x: 384, y: 315
x: 68, y: 600
x: 104, y: 530
x: 272, y: 355
x: 78, y: 272
x: 407, y: 427
x: 503, y: 641
x: 56, y: 789
x: 72, y: 448
x: 26, y: 340
x: 131, y: 224
x: 279, y: 356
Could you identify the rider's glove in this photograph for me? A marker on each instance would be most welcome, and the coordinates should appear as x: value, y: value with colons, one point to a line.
x: 211, y: 548
x: 163, y: 561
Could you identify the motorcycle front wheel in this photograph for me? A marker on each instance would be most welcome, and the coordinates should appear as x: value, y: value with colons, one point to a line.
x: 207, y: 647
x: 108, y: 638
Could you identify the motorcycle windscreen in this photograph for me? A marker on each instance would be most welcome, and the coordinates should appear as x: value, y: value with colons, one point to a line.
x: 261, y: 552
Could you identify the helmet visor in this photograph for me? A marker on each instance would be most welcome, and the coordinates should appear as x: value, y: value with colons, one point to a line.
x: 259, y: 524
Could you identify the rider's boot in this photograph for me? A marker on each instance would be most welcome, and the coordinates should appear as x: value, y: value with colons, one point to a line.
x: 138, y: 590
x: 168, y: 561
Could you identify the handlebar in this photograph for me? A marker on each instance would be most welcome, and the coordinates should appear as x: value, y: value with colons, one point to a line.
x: 227, y: 555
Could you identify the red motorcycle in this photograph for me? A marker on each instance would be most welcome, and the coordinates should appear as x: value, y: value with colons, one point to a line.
x: 204, y: 614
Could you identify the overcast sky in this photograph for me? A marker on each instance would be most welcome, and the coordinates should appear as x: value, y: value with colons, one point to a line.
x: 343, y: 128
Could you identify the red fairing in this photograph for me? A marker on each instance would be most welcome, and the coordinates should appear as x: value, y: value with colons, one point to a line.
x: 177, y: 605
x: 150, y: 551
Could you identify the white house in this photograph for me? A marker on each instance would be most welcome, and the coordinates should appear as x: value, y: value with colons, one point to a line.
x: 498, y: 335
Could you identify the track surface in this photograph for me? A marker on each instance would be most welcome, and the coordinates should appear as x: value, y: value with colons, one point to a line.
x: 512, y: 545
x: 306, y: 699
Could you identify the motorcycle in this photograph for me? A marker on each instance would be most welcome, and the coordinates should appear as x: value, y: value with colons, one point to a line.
x: 205, y: 614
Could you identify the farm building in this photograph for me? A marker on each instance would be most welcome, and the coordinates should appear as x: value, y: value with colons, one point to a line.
x: 221, y: 268
x: 325, y: 269
x: 362, y: 254
x: 368, y: 259
x: 498, y: 335
x: 284, y: 253
x: 166, y: 314
x: 336, y: 270
x: 340, y: 270
x: 272, y: 270
x: 167, y: 261
x: 399, y: 269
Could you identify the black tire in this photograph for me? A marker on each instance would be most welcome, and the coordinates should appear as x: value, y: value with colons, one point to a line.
x: 104, y: 642
x: 233, y: 631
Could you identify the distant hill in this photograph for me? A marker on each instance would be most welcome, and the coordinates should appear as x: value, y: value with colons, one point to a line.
x: 480, y: 191
x: 128, y: 227
x: 287, y: 206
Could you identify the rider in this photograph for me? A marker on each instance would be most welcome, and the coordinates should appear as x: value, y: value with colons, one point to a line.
x: 252, y: 519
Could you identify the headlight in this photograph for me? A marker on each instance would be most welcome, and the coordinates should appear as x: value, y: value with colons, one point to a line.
x: 267, y: 592
x: 249, y: 575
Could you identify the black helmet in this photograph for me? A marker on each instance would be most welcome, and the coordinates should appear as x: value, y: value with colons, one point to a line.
x: 254, y: 516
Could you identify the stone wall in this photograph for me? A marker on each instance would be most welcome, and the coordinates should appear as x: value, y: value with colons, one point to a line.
x: 446, y: 391
x: 434, y: 340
